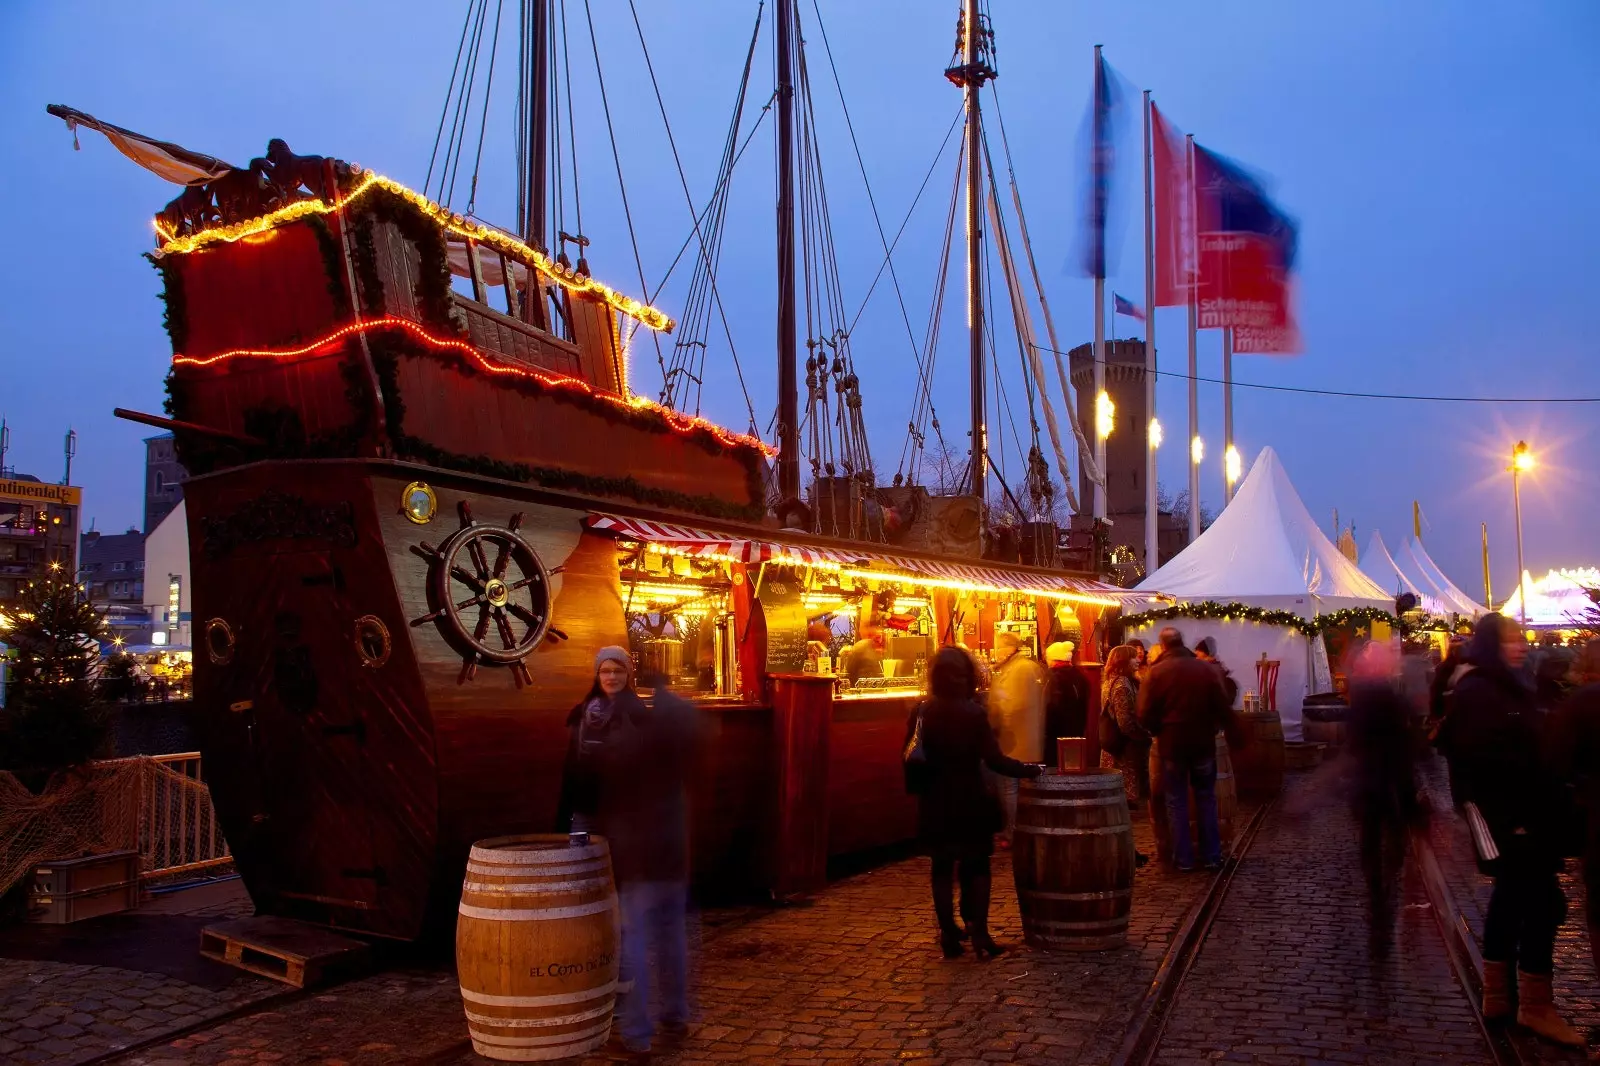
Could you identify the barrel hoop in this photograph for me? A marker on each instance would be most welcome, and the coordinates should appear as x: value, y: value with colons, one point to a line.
x: 1103, y: 801
x: 496, y: 914
x: 539, y: 888
x: 1114, y: 893
x: 590, y: 1015
x: 485, y: 999
x: 506, y: 869
x: 543, y: 1041
x: 1063, y: 783
x: 1109, y: 923
x: 1056, y: 831
x: 488, y: 850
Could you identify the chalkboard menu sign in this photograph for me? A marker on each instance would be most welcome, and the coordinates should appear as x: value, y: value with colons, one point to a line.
x: 780, y: 597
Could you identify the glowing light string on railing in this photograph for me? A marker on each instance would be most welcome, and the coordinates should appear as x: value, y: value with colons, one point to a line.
x: 457, y: 224
x: 676, y: 419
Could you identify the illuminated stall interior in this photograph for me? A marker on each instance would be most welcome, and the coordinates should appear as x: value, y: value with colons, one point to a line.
x: 872, y: 624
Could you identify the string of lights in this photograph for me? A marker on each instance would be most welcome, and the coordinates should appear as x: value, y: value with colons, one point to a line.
x: 1367, y: 395
x: 462, y: 226
x: 676, y: 419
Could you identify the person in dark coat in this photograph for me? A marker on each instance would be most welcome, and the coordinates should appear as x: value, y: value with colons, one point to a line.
x: 1205, y: 649
x: 1384, y: 796
x: 625, y: 778
x: 1502, y: 767
x: 1066, y: 706
x: 1575, y: 756
x: 957, y: 815
x: 1183, y: 706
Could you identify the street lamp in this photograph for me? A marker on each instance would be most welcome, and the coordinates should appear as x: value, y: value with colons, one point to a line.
x: 1233, y: 466
x: 1197, y: 450
x: 1105, y: 414
x: 1156, y: 435
x: 1521, y: 460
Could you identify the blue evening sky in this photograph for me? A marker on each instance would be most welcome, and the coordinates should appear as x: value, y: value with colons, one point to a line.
x: 1438, y: 156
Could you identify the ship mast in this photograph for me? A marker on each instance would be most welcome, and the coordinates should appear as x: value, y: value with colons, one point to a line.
x: 538, y: 97
x: 973, y: 71
x: 788, y: 403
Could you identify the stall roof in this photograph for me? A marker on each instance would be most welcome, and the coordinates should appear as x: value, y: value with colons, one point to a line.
x: 1265, y: 550
x: 862, y: 562
x: 1382, y: 567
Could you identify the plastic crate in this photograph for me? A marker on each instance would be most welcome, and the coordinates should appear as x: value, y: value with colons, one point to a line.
x: 71, y: 890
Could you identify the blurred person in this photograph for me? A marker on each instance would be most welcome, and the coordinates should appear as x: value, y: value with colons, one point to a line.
x: 625, y: 778
x: 1451, y: 670
x: 865, y: 657
x: 1128, y: 750
x: 1206, y: 651
x: 1498, y: 736
x: 1413, y: 679
x: 1550, y: 673
x: 1183, y: 705
x: 1016, y: 711
x: 1384, y: 797
x: 1575, y: 757
x: 1066, y: 712
x: 957, y: 814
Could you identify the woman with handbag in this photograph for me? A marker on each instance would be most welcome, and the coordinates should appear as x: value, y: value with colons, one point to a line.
x: 948, y: 740
x: 1504, y: 777
x: 1124, y: 743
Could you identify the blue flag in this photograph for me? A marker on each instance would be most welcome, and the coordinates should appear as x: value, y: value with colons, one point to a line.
x: 1105, y: 113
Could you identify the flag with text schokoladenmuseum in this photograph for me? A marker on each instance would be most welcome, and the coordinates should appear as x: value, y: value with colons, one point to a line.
x: 1246, y: 257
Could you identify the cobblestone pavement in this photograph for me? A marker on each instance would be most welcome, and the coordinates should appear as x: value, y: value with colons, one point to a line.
x: 1285, y: 975
x: 69, y: 993
x: 1577, y: 987
x: 856, y: 976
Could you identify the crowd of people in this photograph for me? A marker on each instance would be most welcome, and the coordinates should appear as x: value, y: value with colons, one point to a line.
x: 1523, y: 755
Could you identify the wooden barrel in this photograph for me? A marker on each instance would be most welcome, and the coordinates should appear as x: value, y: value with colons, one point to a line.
x: 1072, y: 854
x: 1258, y: 766
x: 1330, y: 734
x: 537, y: 947
x: 1227, y: 800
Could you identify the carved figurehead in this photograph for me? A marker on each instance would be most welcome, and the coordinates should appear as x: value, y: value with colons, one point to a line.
x: 289, y: 173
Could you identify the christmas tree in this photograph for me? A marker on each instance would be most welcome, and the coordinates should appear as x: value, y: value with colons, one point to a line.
x: 54, y: 716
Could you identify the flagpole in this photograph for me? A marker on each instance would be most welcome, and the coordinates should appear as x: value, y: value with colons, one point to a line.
x: 1152, y: 539
x: 1488, y: 590
x: 1227, y: 411
x: 1194, y: 386
x: 1099, y: 333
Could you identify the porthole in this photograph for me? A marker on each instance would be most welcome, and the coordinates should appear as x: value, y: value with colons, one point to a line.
x: 372, y: 641
x: 220, y: 642
x: 418, y: 503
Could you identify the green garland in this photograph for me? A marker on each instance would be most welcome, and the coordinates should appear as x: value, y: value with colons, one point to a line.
x: 1243, y: 612
x: 332, y: 265
x: 174, y: 310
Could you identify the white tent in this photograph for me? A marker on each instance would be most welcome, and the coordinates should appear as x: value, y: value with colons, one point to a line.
x: 1559, y: 600
x: 1265, y: 550
x: 1382, y: 567
x: 1415, y: 560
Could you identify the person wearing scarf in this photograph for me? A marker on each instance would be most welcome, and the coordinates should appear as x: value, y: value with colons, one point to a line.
x: 625, y: 778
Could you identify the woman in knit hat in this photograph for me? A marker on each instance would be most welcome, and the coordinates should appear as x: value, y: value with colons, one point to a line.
x: 626, y: 778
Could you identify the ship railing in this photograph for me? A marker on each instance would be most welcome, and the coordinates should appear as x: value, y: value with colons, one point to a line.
x: 177, y: 829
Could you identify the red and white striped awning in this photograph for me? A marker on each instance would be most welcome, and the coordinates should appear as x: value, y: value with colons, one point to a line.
x: 704, y: 544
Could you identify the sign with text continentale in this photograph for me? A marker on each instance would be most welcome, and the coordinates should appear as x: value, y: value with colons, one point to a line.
x: 37, y: 492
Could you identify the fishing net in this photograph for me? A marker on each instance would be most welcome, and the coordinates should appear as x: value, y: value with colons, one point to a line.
x: 161, y: 809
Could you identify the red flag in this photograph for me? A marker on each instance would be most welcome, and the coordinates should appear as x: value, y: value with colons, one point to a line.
x: 1174, y: 210
x: 1247, y: 248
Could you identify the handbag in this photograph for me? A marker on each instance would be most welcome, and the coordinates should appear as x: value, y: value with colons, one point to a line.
x: 1112, y: 739
x: 914, y: 758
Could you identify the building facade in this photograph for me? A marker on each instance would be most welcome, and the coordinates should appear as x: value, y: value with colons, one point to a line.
x: 163, y: 480
x: 111, y: 567
x: 1125, y: 458
x: 38, y: 527
x: 166, y: 586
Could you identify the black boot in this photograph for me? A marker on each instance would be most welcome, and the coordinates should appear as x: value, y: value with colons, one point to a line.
x: 944, y: 909
x: 975, y: 910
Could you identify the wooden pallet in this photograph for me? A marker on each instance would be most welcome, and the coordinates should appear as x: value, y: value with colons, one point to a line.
x: 283, y: 949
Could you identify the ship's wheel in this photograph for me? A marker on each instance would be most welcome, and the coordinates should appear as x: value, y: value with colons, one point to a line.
x: 491, y: 594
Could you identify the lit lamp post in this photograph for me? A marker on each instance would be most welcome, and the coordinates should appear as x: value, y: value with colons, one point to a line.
x: 1232, y: 467
x: 1521, y: 460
